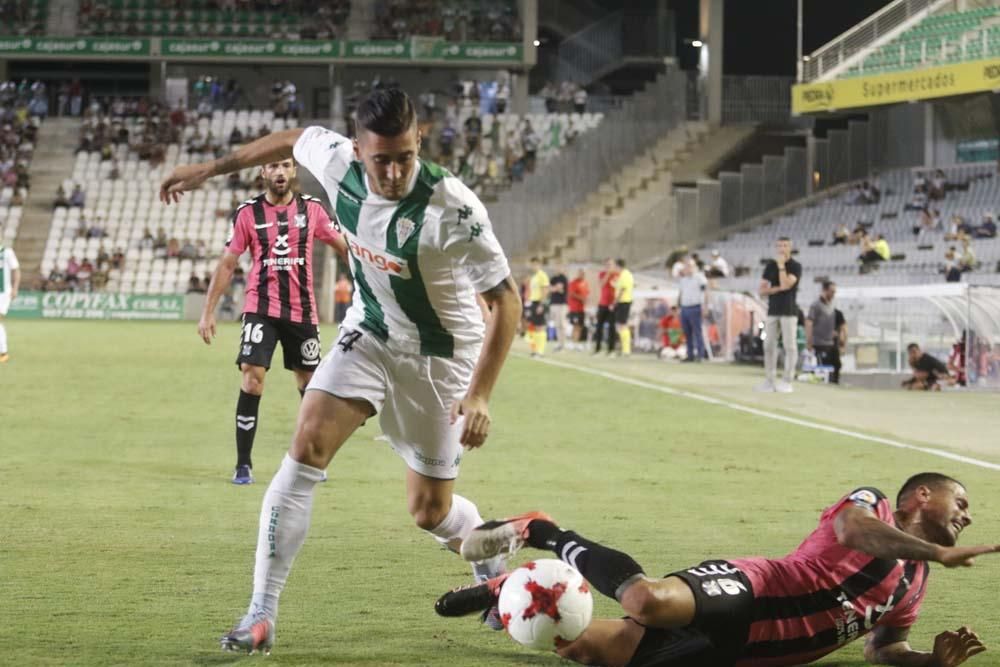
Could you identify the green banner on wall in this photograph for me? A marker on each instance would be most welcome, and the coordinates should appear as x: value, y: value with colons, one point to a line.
x: 379, y: 50
x: 75, y: 46
x: 97, y: 306
x: 478, y: 51
x: 239, y: 48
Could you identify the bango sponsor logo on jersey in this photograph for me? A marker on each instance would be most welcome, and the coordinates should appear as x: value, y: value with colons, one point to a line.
x: 385, y: 263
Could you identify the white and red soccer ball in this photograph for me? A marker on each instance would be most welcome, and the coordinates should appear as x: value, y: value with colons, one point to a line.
x: 545, y: 604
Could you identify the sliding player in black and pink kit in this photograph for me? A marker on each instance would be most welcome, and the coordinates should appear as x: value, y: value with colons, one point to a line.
x: 863, y: 570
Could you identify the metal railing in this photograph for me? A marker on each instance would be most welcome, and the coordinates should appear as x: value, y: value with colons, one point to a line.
x: 586, y: 53
x: 837, y: 55
x: 525, y: 212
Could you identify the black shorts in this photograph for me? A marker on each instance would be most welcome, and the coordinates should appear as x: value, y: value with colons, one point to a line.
x: 621, y: 312
x: 576, y: 319
x: 299, y: 342
x: 723, y: 614
x: 538, y: 314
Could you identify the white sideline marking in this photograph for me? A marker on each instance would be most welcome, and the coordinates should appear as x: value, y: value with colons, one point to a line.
x: 665, y: 389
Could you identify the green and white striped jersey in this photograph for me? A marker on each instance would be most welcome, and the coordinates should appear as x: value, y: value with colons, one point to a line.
x: 417, y: 263
x: 8, y: 264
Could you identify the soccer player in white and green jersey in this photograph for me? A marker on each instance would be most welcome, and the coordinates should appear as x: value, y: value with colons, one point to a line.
x: 10, y: 280
x: 413, y: 348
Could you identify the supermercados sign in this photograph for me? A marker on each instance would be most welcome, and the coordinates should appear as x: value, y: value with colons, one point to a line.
x: 914, y: 85
x: 97, y: 306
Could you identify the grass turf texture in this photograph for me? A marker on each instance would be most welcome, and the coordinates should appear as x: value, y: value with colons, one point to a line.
x: 125, y: 543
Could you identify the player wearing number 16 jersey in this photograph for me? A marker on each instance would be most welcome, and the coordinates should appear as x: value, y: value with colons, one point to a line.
x: 277, y: 228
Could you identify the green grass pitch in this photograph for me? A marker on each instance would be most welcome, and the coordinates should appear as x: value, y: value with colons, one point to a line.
x: 124, y: 543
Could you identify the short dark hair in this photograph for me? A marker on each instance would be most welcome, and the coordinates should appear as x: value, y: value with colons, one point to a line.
x: 535, y: 259
x: 912, y: 346
x: 388, y: 112
x: 784, y: 238
x: 827, y: 284
x: 929, y: 479
x: 620, y: 262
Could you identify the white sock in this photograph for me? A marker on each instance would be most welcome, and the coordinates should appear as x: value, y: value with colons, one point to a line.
x: 284, y: 522
x: 461, y: 520
x: 3, y: 339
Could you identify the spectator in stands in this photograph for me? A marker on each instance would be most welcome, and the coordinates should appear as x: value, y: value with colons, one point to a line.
x: 928, y: 371
x: 77, y: 198
x: 580, y: 99
x: 930, y: 221
x: 206, y: 280
x: 84, y: 275
x: 147, y: 240
x: 200, y: 250
x: 75, y: 97
x: 173, y: 248
x: 967, y: 261
x: 115, y: 172
x: 918, y: 202
x: 874, y: 252
x: 529, y: 143
x: 841, y: 235
x: 955, y: 226
x: 822, y: 335
x: 118, y: 259
x: 161, y: 240
x: 473, y: 129
x: 62, y: 201
x: 235, y: 137
x: 718, y: 267
x: 187, y: 250
x: 988, y: 228
x: 938, y: 186
x: 950, y: 269
x: 96, y: 230
x: 56, y: 281
x: 194, y: 285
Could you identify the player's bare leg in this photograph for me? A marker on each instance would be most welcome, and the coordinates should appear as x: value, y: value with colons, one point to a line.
x: 659, y: 603
x: 610, y: 643
x: 251, y: 389
x: 325, y: 423
x: 448, y: 517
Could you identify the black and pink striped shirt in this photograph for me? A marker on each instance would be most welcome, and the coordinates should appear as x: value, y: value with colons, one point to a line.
x: 280, y: 242
x: 824, y: 595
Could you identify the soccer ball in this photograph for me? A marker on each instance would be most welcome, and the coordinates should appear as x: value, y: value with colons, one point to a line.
x: 545, y: 604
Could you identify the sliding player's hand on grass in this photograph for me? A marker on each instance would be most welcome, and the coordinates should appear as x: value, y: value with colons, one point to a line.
x: 477, y: 420
x: 954, y: 648
x: 964, y: 556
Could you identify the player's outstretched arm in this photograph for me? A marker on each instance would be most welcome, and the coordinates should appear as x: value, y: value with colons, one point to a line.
x: 221, y: 279
x: 271, y: 148
x: 890, y: 646
x: 859, y: 529
x: 505, y: 307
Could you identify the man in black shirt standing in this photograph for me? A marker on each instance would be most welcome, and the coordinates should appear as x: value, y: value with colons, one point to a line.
x: 780, y: 284
x: 557, y: 305
x: 927, y: 371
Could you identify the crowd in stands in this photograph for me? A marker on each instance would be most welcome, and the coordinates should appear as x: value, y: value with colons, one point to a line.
x: 23, y: 17
x: 564, y: 97
x: 459, y: 20
x: 271, y: 19
x: 19, y: 124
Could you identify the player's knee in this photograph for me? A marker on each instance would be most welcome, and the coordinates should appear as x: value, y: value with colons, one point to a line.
x: 309, y: 443
x: 253, y: 381
x: 428, y: 513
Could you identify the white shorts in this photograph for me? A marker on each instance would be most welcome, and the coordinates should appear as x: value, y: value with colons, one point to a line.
x: 4, y: 303
x: 411, y: 393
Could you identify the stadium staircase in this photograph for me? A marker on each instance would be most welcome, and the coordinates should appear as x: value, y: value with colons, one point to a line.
x: 638, y: 199
x: 360, y: 21
x: 61, y: 20
x: 57, y: 138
